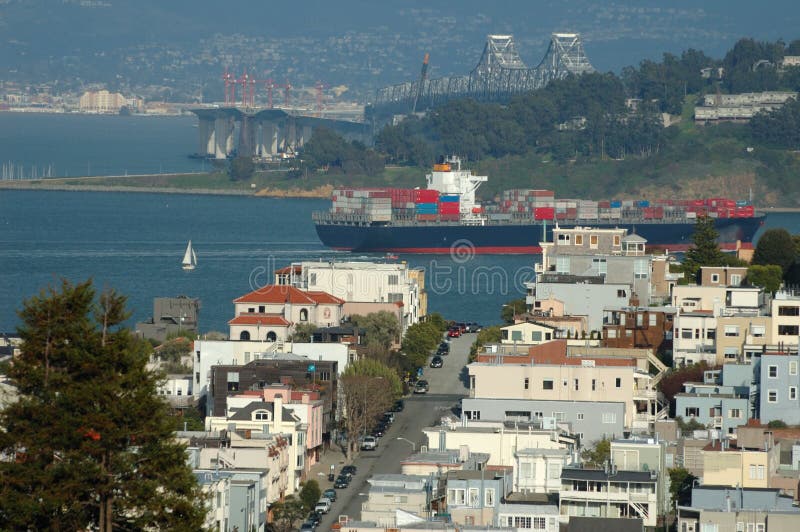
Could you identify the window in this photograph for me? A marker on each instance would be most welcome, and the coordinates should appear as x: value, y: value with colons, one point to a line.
x: 611, y: 333
x: 788, y: 311
x: 563, y: 238
x: 526, y: 383
x: 793, y: 367
x: 600, y: 266
x: 593, y: 241
x: 261, y: 415
x: 578, y: 240
x: 734, y: 413
x: 594, y: 384
x: 641, y: 268
x: 456, y: 497
x: 756, y: 472
x: 772, y: 372
x: 539, y: 523
x: 579, y: 416
x: 714, y: 277
x: 538, y: 415
x: 488, y: 499
x: 758, y: 331
x: 788, y: 330
x: 312, y: 279
x: 559, y: 416
x: 474, y: 497
x: 246, y: 357
x: 652, y: 319
x: 516, y: 336
x: 473, y: 414
x: 621, y: 293
x: 792, y: 393
x: 394, y: 297
x: 692, y: 411
x: 609, y: 417
x: 577, y: 385
x: 617, y: 240
x: 244, y: 335
x: 546, y: 384
x: 562, y: 264
x: 731, y: 330
x: 233, y: 381
x: 736, y: 279
x: 686, y: 334
x: 711, y: 334
x: 618, y: 382
x: 525, y: 470
x: 520, y: 522
x: 393, y: 280
x: 772, y: 396
x: 554, y: 470
x: 760, y: 527
x: 709, y: 527
x: 731, y: 352
x: 536, y: 336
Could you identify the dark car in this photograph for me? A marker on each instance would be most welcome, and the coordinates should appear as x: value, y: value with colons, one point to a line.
x: 315, y: 517
x: 421, y: 387
x: 437, y: 362
x: 330, y: 493
x: 349, y: 469
x: 398, y: 406
x: 331, y: 477
x: 379, y: 431
x: 308, y: 527
x: 341, y: 482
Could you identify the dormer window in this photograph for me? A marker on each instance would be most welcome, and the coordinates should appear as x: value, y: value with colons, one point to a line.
x: 303, y: 314
x: 261, y: 415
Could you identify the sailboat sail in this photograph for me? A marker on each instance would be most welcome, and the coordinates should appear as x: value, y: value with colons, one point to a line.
x: 189, y: 258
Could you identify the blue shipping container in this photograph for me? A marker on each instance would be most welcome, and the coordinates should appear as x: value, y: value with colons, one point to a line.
x: 643, y: 203
x: 742, y: 203
x: 616, y: 204
x: 450, y: 198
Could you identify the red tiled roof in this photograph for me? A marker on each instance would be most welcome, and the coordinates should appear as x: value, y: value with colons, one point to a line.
x: 276, y: 294
x: 259, y: 319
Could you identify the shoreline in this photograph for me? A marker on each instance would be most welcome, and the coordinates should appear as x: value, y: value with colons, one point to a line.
x: 323, y: 192
x: 256, y: 193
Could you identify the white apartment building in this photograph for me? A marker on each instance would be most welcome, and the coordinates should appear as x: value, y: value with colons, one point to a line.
x: 364, y: 286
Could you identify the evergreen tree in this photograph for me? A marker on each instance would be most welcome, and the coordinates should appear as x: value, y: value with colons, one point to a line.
x: 89, y: 442
x: 310, y: 494
x: 704, y: 251
x: 776, y: 247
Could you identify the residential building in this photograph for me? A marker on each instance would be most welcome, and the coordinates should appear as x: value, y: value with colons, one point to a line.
x: 721, y: 401
x: 434, y: 461
x: 603, y: 524
x: 539, y: 470
x: 785, y: 311
x: 177, y: 390
x: 300, y: 372
x: 611, y: 493
x: 779, y: 383
x: 588, y: 420
x: 208, y: 353
x: 719, y: 300
x: 722, y: 275
x: 722, y: 508
x: 640, y: 327
x: 727, y: 465
x: 498, y: 440
x: 527, y: 333
x: 549, y: 373
x: 414, y: 494
x: 170, y: 315
x: 363, y: 286
x: 473, y: 497
x: 694, y: 338
x: 539, y: 517
x: 102, y: 101
x: 271, y: 312
x: 215, y: 486
x: 739, y: 107
x: 257, y: 418
x: 645, y: 454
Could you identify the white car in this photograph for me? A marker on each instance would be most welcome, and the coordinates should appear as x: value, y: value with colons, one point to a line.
x: 323, y: 506
x: 369, y: 443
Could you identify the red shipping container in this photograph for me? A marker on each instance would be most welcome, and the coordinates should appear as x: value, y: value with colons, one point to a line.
x: 449, y: 217
x: 477, y: 210
x: 426, y: 196
x: 561, y: 216
x: 449, y: 208
x: 604, y: 204
x: 572, y: 212
x: 697, y: 203
x: 544, y: 213
x: 426, y: 217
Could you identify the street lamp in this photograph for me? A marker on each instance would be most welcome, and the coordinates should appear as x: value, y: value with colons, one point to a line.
x: 413, y: 445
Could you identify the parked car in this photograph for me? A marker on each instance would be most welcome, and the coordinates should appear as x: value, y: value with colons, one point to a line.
x: 398, y: 406
x: 388, y: 418
x: 462, y: 327
x: 421, y: 387
x: 379, y: 431
x: 443, y: 349
x: 330, y: 494
x: 369, y: 443
x: 314, y: 517
x: 474, y: 327
x: 454, y: 332
x: 308, y: 527
x: 341, y: 482
x: 323, y: 506
x: 349, y: 469
x: 437, y: 362
x: 331, y: 477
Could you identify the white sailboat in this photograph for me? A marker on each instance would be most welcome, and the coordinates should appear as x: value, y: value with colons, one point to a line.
x: 189, y: 258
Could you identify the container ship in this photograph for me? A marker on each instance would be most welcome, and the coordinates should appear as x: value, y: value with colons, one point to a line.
x: 446, y: 218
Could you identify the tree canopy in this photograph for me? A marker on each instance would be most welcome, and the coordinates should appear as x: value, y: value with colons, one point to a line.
x: 91, y: 441
x: 767, y: 277
x: 777, y: 247
x: 381, y: 328
x: 704, y: 251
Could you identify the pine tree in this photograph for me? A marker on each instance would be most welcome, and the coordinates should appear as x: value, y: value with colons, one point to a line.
x: 704, y: 251
x: 89, y: 444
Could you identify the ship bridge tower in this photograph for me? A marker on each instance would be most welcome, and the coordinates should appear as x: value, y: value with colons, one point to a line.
x: 448, y: 178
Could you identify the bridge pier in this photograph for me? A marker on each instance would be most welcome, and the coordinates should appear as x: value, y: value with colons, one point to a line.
x: 268, y: 145
x: 223, y: 137
x: 206, y: 129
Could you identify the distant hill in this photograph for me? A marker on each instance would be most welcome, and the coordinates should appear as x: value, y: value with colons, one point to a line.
x: 185, y: 44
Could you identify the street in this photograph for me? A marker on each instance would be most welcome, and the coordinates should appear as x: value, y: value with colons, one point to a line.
x: 446, y: 390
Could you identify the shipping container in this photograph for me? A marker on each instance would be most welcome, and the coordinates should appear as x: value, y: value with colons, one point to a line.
x: 642, y: 203
x: 616, y: 204
x: 449, y: 198
x: 426, y: 196
x: 427, y: 217
x: 544, y: 213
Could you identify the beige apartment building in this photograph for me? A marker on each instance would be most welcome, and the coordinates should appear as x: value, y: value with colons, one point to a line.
x: 730, y: 466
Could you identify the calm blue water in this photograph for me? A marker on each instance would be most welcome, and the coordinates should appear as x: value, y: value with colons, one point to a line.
x: 79, y: 145
x: 135, y: 243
